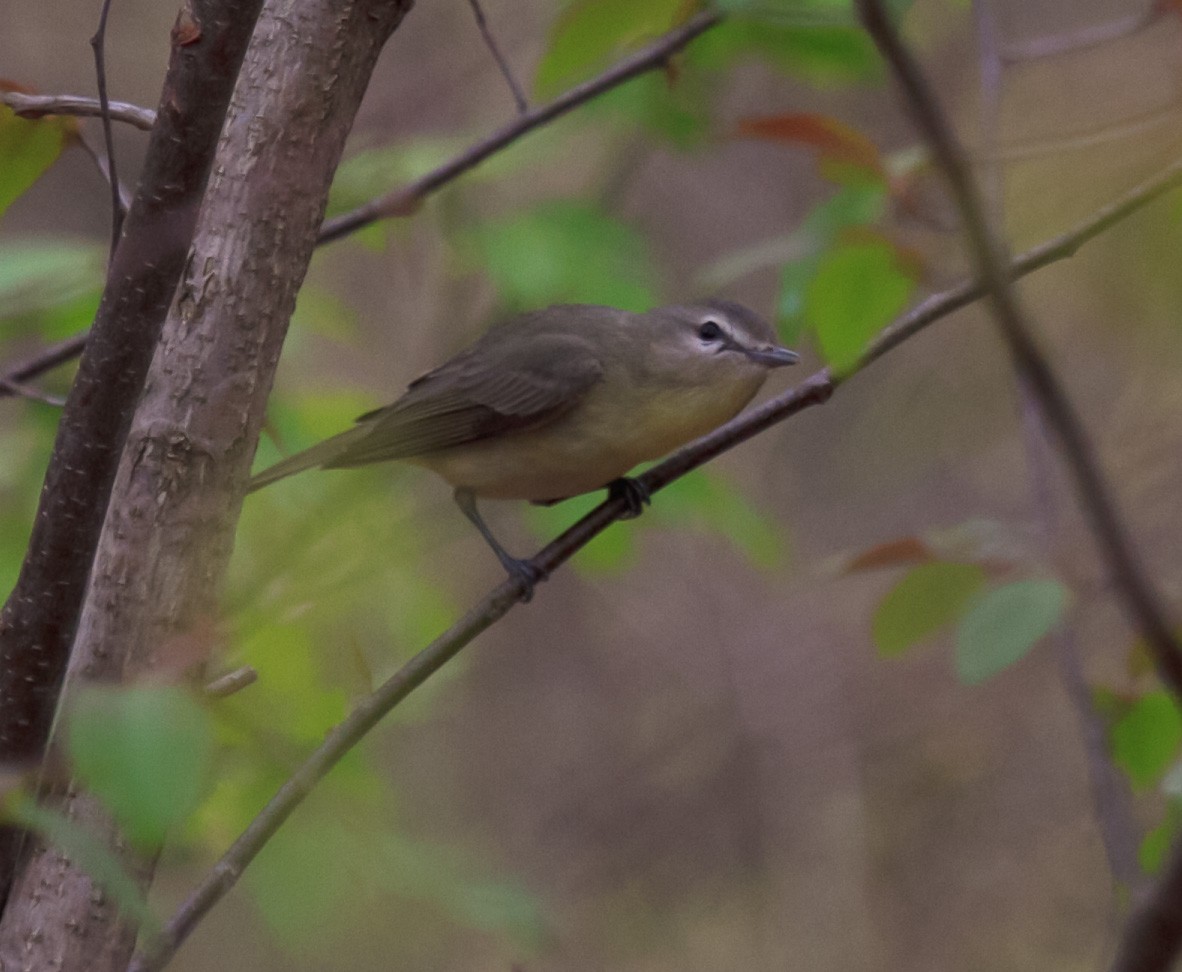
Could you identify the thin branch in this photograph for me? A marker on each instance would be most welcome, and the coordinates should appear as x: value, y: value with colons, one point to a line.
x: 1111, y: 799
x: 1055, y: 45
x: 103, y: 164
x: 17, y: 390
x: 506, y: 71
x: 34, y: 106
x: 98, y: 43
x: 402, y: 201
x: 812, y: 391
x: 231, y: 682
x: 1151, y: 937
x: 992, y: 268
x: 50, y: 358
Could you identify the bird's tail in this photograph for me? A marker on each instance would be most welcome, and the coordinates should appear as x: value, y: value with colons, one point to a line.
x: 319, y: 455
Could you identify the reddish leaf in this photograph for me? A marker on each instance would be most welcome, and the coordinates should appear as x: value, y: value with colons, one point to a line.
x: 893, y: 553
x: 836, y: 141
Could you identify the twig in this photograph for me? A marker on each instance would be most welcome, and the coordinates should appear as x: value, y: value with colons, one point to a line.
x: 1055, y: 45
x: 1111, y: 799
x: 34, y: 106
x: 102, y: 163
x: 1151, y: 937
x: 16, y: 389
x: 403, y: 201
x: 97, y: 42
x: 993, y: 270
x: 506, y: 71
x: 813, y: 391
x: 46, y: 360
x: 231, y: 682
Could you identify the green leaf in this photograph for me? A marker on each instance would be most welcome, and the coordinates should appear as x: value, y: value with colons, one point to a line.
x: 1145, y: 740
x: 1152, y: 852
x: 612, y: 551
x: 1004, y: 624
x: 592, y: 33
x: 860, y: 204
x: 27, y: 149
x: 857, y: 290
x: 38, y: 275
x: 927, y: 598
x: 88, y: 852
x: 708, y: 502
x: 145, y: 751
x: 824, y: 55
x: 564, y: 252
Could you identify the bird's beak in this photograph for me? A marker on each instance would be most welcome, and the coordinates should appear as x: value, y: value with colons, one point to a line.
x: 772, y: 356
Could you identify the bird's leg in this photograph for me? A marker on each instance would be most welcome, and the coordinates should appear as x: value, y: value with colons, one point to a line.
x: 633, y: 492
x: 521, y: 570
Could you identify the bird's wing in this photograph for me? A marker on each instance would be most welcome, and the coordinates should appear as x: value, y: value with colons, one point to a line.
x: 485, y: 392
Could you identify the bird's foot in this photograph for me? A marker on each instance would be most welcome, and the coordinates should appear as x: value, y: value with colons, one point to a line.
x: 527, y: 574
x: 633, y: 492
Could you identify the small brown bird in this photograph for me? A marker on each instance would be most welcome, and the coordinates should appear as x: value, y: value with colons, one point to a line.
x: 563, y: 401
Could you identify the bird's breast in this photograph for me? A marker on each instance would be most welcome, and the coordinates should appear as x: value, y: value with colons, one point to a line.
x: 615, y: 427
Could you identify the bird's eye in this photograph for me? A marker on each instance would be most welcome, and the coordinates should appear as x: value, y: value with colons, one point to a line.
x: 710, y: 331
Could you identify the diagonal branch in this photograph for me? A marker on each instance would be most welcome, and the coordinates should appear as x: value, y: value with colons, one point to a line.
x: 99, y: 43
x: 992, y: 267
x: 491, y: 43
x: 370, y: 710
x: 404, y: 200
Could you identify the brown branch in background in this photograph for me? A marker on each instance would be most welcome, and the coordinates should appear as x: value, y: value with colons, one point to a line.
x: 992, y: 267
x: 98, y: 44
x: 1055, y: 45
x: 1153, y: 937
x: 506, y: 71
x: 1152, y: 934
x: 402, y: 201
x: 370, y: 710
x: 1112, y: 803
x: 102, y: 163
x: 16, y: 390
x: 50, y: 358
x: 35, y: 106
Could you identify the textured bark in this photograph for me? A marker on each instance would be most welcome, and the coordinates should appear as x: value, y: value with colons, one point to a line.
x: 169, y: 530
x: 39, y: 620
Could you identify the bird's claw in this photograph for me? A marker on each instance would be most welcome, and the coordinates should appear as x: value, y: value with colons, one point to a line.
x: 633, y: 492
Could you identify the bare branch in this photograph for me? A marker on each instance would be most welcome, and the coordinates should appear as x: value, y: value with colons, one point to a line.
x: 1055, y: 45
x: 506, y: 71
x: 98, y: 43
x: 1151, y: 937
x: 102, y: 163
x: 813, y: 391
x: 992, y: 267
x: 1112, y: 804
x: 46, y: 360
x: 232, y: 682
x: 17, y: 390
x: 403, y: 201
x: 34, y: 106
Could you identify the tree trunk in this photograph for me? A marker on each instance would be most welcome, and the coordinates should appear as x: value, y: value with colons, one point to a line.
x: 169, y: 530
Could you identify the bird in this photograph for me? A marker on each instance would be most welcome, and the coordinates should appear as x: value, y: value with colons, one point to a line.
x: 561, y: 401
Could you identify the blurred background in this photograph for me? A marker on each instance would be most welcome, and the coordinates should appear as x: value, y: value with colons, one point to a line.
x: 730, y: 735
